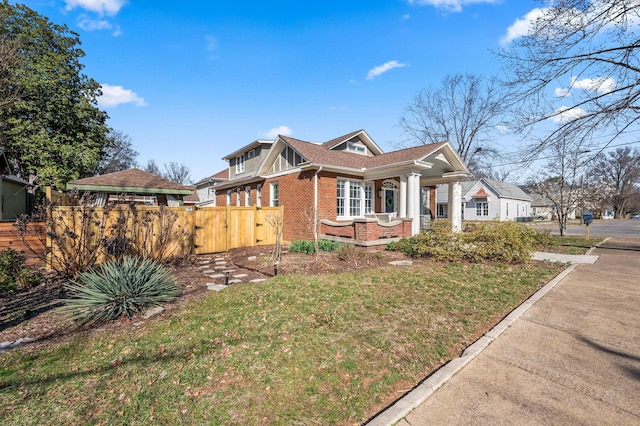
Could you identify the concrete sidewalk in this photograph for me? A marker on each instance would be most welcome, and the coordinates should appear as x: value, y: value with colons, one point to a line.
x: 570, y: 356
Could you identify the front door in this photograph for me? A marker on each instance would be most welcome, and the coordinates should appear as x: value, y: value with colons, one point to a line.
x: 389, y: 200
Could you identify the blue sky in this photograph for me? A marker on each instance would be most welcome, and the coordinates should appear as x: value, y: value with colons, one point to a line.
x: 193, y: 81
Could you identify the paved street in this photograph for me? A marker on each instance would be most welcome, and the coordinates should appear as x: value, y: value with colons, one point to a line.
x: 604, y: 228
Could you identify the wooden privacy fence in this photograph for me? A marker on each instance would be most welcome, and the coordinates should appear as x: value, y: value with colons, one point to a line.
x: 193, y: 230
x: 178, y: 231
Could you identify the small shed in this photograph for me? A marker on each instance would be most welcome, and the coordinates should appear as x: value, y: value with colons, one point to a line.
x: 133, y: 185
x: 13, y: 192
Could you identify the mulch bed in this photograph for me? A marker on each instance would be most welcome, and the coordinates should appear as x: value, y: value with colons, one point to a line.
x: 30, y: 313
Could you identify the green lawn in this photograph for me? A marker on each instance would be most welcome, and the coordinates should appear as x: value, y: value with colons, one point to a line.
x: 568, y: 244
x: 330, y: 349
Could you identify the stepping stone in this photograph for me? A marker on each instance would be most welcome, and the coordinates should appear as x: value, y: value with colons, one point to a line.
x: 216, y: 275
x: 204, y: 262
x: 210, y: 271
x: 219, y: 259
x: 220, y: 266
x: 235, y: 281
x: 153, y: 312
x: 240, y: 276
x: 258, y: 280
x: 401, y: 263
x: 229, y: 270
x: 221, y: 263
x: 216, y: 287
x: 251, y: 258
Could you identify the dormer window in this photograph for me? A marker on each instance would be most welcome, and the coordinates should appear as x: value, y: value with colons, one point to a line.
x: 251, y: 153
x: 356, y: 147
x: 240, y: 164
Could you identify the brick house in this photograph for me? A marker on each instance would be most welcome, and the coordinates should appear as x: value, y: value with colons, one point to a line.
x: 346, y: 189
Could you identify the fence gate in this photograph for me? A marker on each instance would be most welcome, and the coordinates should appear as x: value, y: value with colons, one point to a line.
x: 219, y: 229
x: 210, y: 230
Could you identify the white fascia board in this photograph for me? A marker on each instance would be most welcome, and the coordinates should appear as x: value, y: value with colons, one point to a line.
x: 246, y: 148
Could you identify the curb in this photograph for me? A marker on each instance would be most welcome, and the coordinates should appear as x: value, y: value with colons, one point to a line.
x: 411, y: 400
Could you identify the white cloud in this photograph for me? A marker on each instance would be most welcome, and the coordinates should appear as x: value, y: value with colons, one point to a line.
x: 448, y: 5
x: 103, y: 7
x: 564, y: 114
x: 381, y: 69
x: 562, y: 92
x: 273, y: 133
x: 522, y: 26
x: 600, y: 85
x: 112, y: 96
x: 89, y: 24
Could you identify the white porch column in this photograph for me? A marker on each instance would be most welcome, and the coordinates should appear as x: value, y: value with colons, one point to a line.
x: 402, y: 211
x: 455, y: 206
x: 414, y: 202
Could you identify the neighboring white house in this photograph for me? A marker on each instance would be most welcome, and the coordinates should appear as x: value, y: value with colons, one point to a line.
x: 205, y: 188
x: 487, y: 199
x: 543, y: 208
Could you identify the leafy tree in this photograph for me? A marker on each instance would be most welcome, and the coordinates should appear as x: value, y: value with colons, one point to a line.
x: 464, y: 110
x: 54, y: 132
x: 620, y: 169
x: 9, y: 93
x: 577, y: 66
x: 118, y: 155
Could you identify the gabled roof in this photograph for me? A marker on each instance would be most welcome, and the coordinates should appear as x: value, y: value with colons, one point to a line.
x: 366, y: 139
x: 248, y: 147
x: 222, y: 175
x: 508, y: 190
x: 502, y: 189
x: 132, y: 180
x: 440, y: 158
x: 322, y: 154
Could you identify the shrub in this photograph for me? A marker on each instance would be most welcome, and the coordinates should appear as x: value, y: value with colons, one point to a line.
x: 326, y: 245
x: 306, y: 247
x: 118, y: 289
x: 301, y: 246
x: 490, y: 241
x: 13, y: 273
x: 349, y: 252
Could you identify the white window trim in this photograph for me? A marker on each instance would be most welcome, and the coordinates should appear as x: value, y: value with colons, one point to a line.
x: 247, y: 196
x: 228, y: 197
x: 271, y: 192
x: 363, y: 200
x: 259, y: 195
x: 240, y: 164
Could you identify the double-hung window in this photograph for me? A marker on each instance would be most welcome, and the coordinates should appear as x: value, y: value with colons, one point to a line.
x: 275, y: 195
x: 240, y: 164
x: 482, y: 208
x: 353, y: 198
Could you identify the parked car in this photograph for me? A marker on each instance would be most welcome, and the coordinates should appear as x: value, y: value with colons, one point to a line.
x: 634, y: 216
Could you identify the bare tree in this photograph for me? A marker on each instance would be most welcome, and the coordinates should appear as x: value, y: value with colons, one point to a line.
x: 152, y: 167
x: 178, y: 173
x: 620, y: 169
x: 561, y: 179
x: 577, y: 66
x: 465, y: 110
x: 119, y: 153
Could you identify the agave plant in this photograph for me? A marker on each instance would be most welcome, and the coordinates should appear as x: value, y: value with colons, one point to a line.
x: 117, y: 289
